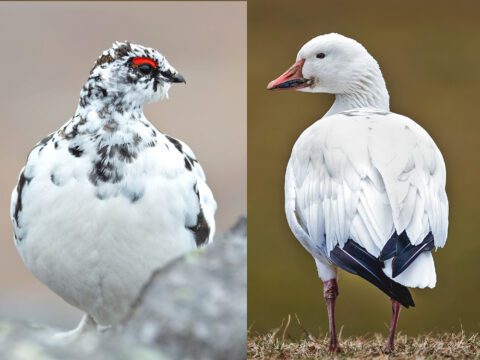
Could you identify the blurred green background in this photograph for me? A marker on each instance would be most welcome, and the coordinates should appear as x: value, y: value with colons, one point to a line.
x: 429, y: 53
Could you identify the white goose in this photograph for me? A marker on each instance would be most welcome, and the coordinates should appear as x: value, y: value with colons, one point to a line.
x: 365, y: 187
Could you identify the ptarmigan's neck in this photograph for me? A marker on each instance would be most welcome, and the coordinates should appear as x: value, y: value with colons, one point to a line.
x: 109, y: 111
x: 367, y: 90
x: 97, y: 98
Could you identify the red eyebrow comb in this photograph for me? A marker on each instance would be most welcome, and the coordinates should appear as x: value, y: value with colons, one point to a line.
x: 143, y: 60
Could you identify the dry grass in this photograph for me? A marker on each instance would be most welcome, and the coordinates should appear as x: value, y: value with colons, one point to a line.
x: 277, y: 346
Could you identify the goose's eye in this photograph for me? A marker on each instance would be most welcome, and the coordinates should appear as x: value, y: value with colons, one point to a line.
x: 320, y: 56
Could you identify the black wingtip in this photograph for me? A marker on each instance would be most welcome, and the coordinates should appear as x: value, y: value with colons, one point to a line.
x: 406, y: 254
x: 397, y: 267
x: 390, y: 248
x: 402, y: 295
x: 356, y: 260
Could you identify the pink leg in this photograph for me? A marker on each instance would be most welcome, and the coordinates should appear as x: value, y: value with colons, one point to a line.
x: 330, y: 293
x: 389, y: 346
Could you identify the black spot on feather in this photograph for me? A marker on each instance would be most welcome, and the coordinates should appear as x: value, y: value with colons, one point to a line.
x: 175, y: 143
x: 72, y: 133
x: 137, y: 139
x: 201, y: 229
x: 104, y: 171
x: 122, y: 152
x: 123, y: 50
x: 134, y: 197
x: 189, y: 162
x: 119, y: 109
x: 75, y: 151
x: 54, y: 180
x: 103, y: 91
x: 188, y: 165
x: 40, y: 145
x: 45, y: 140
x: 22, y: 181
x: 104, y: 59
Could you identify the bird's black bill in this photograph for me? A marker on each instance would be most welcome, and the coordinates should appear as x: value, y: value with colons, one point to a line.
x: 177, y: 78
x: 173, y: 78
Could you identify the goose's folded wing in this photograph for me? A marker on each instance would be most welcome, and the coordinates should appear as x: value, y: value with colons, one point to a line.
x: 365, y: 179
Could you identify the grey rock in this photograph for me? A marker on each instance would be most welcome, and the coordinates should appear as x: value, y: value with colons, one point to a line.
x: 194, y: 308
x: 21, y: 341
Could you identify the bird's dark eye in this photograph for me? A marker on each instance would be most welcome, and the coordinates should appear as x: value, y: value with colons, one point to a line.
x: 144, y: 65
x: 145, y: 69
x: 320, y: 56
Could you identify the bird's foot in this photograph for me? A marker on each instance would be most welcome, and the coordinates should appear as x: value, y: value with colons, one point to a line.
x: 334, y: 347
x: 388, y: 348
x: 66, y: 338
x: 87, y: 324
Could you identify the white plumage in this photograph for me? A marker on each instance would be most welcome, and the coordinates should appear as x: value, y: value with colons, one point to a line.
x: 362, y: 174
x: 364, y: 187
x: 107, y: 199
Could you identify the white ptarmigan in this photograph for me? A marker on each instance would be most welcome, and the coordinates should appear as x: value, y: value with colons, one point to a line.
x: 364, y: 187
x: 107, y: 199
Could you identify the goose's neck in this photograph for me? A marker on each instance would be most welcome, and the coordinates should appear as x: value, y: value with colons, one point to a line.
x: 368, y: 90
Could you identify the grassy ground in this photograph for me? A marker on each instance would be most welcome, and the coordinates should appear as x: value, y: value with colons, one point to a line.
x: 277, y: 346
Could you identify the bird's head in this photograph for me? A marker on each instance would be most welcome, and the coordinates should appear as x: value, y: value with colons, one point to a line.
x: 130, y: 74
x: 330, y: 63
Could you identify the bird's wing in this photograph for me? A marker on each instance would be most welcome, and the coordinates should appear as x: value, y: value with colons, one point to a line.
x: 413, y: 172
x: 364, y: 176
x: 16, y: 200
x: 204, y: 220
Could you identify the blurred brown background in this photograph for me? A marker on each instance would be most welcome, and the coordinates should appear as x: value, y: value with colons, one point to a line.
x: 47, y: 51
x: 429, y: 53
